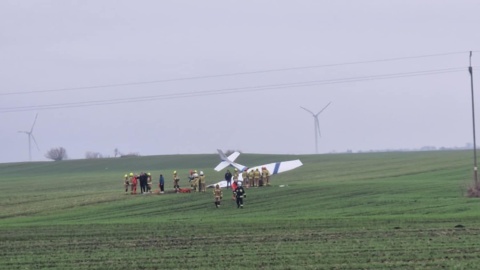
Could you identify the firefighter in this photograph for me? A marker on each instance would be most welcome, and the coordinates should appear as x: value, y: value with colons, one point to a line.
x: 149, y: 182
x: 266, y: 176
x: 202, y: 186
x: 235, y: 175
x: 239, y: 193
x: 217, y: 192
x: 256, y: 177
x: 126, y: 183
x: 195, y: 180
x: 251, y: 177
x: 245, y: 178
x: 175, y: 181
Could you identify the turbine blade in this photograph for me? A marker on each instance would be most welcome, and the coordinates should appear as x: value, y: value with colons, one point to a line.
x: 34, y: 121
x: 323, y: 108
x: 307, y: 110
x: 318, y: 127
x: 35, y: 141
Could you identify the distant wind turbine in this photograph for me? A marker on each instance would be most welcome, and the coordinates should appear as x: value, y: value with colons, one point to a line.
x: 316, y: 124
x: 30, y: 138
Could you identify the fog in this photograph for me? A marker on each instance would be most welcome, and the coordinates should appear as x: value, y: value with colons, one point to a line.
x: 187, y: 77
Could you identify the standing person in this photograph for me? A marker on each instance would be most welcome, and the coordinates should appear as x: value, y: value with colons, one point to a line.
x: 149, y: 182
x: 161, y: 184
x: 175, y: 181
x: 126, y: 183
x: 266, y: 176
x: 228, y: 178
x: 140, y: 182
x: 245, y: 177
x: 195, y: 181
x: 134, y: 184
x: 143, y: 183
x: 217, y: 192
x: 234, y: 187
x: 256, y: 177
x: 240, y: 193
x: 251, y: 178
x: 235, y: 175
x: 202, y: 182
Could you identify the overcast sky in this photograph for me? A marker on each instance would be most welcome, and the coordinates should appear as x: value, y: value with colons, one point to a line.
x: 181, y: 77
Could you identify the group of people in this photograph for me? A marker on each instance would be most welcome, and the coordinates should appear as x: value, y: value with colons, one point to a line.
x: 252, y: 178
x: 132, y: 180
x: 197, y: 181
x: 198, y: 184
x: 238, y: 194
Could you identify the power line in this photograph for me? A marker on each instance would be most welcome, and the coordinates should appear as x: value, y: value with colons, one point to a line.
x: 228, y: 90
x: 226, y: 75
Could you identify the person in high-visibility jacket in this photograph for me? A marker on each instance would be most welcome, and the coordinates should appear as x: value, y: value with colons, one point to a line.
x: 195, y: 181
x: 202, y: 186
x: 175, y: 181
x: 126, y: 183
x: 245, y: 178
x: 235, y: 175
x: 266, y: 176
x: 240, y: 193
x: 149, y: 182
x: 251, y: 176
x: 217, y: 193
x: 256, y: 177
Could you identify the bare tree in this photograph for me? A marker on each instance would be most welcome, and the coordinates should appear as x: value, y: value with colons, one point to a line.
x: 57, y: 154
x: 93, y: 155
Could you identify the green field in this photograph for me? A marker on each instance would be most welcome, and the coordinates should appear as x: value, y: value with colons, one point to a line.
x: 338, y: 211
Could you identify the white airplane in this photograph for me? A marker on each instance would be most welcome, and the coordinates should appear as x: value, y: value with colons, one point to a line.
x: 273, y: 168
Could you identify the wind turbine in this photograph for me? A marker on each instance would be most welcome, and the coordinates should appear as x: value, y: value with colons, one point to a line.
x: 316, y: 124
x: 30, y: 138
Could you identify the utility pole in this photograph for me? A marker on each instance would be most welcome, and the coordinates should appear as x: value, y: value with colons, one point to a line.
x: 470, y: 70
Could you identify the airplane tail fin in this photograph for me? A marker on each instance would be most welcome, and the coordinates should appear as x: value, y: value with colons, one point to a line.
x: 226, y: 161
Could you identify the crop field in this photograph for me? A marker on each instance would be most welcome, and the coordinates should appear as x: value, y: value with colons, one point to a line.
x: 338, y: 211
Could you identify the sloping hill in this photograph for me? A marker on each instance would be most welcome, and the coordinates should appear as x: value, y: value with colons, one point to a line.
x: 342, y: 211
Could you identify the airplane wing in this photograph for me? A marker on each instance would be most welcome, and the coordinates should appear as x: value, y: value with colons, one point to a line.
x: 279, y: 167
x: 273, y: 168
x: 221, y: 184
x: 222, y: 165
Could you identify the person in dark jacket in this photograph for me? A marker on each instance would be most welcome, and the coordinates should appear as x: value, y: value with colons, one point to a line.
x: 228, y: 178
x: 161, y: 183
x: 239, y: 193
x: 143, y: 183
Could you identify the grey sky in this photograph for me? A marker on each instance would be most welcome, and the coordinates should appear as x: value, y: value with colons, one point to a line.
x: 48, y: 45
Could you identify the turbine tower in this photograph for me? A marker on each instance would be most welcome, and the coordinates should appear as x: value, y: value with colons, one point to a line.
x: 30, y: 138
x: 316, y: 125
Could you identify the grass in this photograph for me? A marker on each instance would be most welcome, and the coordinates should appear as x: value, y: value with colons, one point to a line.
x: 342, y: 211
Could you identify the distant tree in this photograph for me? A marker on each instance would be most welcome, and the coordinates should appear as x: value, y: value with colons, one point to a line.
x: 93, y: 155
x: 57, y: 154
